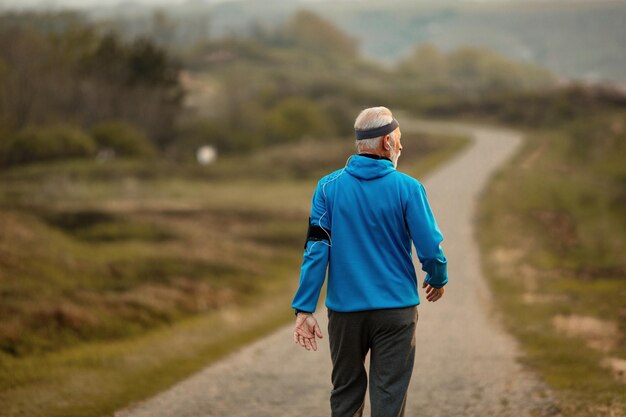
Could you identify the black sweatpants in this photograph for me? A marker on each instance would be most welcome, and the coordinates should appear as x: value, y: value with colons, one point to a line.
x: 389, y: 335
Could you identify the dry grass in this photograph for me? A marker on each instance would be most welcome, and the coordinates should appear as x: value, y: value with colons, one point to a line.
x: 558, y: 267
x: 115, y: 283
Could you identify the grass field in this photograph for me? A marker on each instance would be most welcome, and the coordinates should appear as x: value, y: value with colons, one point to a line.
x: 118, y: 279
x: 559, y: 270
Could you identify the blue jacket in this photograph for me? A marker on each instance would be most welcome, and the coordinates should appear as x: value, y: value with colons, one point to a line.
x: 372, y: 213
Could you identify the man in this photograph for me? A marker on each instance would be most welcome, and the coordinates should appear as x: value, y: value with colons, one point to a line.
x: 363, y: 219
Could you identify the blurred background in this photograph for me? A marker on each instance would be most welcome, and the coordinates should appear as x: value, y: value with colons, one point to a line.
x: 157, y: 161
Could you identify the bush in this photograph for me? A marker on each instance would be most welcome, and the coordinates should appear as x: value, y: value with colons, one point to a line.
x: 47, y: 143
x: 5, y: 137
x: 124, y: 138
x: 294, y: 118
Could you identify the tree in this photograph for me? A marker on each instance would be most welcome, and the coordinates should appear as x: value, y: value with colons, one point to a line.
x: 309, y: 31
x: 294, y: 118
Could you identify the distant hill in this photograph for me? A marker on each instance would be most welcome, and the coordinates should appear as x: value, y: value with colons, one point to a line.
x: 576, y: 39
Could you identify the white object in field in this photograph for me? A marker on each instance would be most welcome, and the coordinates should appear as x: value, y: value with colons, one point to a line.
x: 206, y: 154
x: 105, y: 154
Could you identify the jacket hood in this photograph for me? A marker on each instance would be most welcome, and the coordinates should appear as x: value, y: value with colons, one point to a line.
x: 367, y: 168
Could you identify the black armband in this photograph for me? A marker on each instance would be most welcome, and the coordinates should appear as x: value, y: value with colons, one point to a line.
x: 316, y: 233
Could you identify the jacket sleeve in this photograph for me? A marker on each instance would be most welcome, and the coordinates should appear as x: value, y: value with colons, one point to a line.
x: 426, y: 237
x: 315, y: 258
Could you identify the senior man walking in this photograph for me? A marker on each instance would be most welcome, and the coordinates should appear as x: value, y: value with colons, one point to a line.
x: 363, y: 219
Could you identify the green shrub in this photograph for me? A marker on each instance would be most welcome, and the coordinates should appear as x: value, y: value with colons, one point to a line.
x: 124, y: 138
x: 4, y: 140
x: 47, y: 143
x: 294, y: 118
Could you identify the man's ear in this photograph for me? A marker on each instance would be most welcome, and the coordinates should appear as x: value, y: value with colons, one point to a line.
x: 386, y: 139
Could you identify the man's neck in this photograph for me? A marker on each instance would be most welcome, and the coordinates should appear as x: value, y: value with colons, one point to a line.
x: 374, y: 156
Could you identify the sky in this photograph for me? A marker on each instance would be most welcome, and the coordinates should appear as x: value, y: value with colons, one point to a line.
x: 55, y: 4
x: 74, y: 3
x: 27, y: 4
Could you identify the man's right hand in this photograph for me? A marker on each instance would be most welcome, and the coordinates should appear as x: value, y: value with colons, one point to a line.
x: 432, y: 293
x: 305, y: 331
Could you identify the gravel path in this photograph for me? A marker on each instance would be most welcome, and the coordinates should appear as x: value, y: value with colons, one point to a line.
x: 466, y: 365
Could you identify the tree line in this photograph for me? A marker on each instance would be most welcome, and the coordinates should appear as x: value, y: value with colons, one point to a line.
x: 62, y: 92
x: 69, y: 87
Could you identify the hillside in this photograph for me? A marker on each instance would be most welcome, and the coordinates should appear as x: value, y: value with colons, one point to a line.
x: 573, y: 39
x: 581, y: 40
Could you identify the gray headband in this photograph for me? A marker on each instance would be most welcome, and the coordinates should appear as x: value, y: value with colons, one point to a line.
x: 377, y: 131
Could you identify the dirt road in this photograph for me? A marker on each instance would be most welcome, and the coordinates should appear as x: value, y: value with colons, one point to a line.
x: 466, y: 365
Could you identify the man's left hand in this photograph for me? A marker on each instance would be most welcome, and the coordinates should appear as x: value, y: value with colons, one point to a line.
x: 305, y: 331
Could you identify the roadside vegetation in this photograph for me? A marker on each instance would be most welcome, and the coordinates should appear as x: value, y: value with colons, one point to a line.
x: 553, y: 229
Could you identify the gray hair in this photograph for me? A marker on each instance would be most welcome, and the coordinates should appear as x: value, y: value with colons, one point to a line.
x: 371, y: 118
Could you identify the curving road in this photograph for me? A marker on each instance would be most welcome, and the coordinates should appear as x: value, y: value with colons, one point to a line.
x: 466, y: 365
